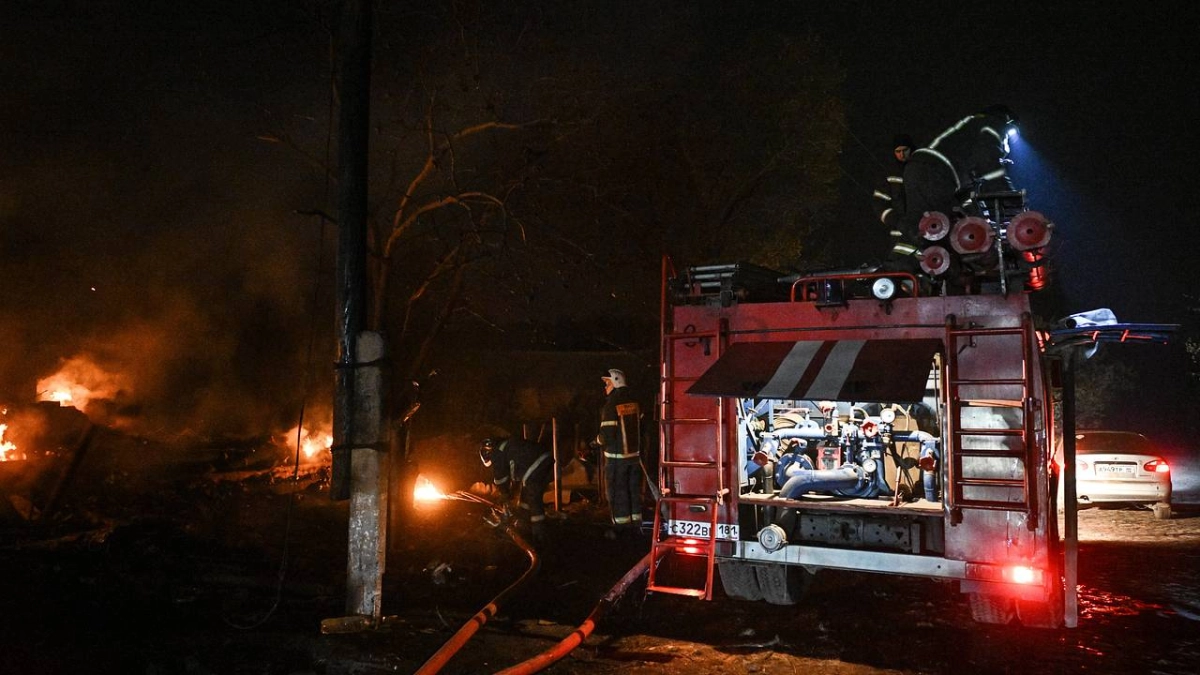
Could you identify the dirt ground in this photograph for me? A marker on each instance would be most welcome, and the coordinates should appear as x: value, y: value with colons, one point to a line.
x: 232, y: 569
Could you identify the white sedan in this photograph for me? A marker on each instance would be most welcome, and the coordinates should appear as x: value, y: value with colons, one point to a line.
x: 1120, y: 467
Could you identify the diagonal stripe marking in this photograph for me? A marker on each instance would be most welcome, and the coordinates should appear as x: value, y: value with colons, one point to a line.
x: 790, y: 370
x: 836, y: 371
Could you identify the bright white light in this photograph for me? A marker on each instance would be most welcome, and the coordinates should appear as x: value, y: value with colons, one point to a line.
x: 1024, y: 575
x: 425, y: 491
x: 883, y: 288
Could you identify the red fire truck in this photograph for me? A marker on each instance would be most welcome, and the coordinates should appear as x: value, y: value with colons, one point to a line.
x: 871, y: 421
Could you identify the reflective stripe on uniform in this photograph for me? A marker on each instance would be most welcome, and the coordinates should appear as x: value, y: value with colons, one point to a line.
x: 945, y: 160
x: 883, y: 216
x: 896, y: 179
x: 617, y: 455
x: 958, y: 125
x: 880, y: 195
x: 903, y: 248
x: 896, y: 234
x: 621, y: 520
x: 991, y: 131
x: 536, y: 463
x: 993, y: 175
x: 610, y: 423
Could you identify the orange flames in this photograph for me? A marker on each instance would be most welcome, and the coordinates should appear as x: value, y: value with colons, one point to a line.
x: 426, y: 491
x: 314, y: 443
x: 8, y: 449
x: 78, y: 382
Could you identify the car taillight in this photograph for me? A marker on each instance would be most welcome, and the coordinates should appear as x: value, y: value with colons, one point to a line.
x: 1157, y: 466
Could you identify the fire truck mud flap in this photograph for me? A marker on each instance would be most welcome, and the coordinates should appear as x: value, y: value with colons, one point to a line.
x: 740, y: 580
x: 997, y: 609
x: 778, y: 584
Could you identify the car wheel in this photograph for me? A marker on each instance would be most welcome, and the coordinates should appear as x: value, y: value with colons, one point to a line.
x: 783, y: 584
x: 997, y: 609
x: 739, y: 580
x: 1162, y: 511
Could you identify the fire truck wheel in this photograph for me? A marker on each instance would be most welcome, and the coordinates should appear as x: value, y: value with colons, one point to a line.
x: 996, y: 609
x: 783, y: 584
x: 739, y: 580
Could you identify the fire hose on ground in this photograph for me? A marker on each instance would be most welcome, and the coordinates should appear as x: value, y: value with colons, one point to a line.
x: 443, y: 655
x: 447, y: 651
x: 576, y: 638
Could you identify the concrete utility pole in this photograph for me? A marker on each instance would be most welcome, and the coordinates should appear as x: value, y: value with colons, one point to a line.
x: 360, y: 468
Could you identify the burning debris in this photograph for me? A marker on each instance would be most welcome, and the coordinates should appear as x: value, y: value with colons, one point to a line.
x: 314, y: 443
x: 79, y: 382
x: 8, y: 449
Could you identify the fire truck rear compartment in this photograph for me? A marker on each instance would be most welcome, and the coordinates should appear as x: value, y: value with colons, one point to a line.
x: 870, y: 524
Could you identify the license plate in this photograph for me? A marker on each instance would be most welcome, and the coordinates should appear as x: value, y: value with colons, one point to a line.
x: 1115, y: 469
x: 692, y: 528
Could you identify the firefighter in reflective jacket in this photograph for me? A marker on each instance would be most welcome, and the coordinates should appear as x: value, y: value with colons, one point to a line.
x: 972, y: 155
x: 516, y: 460
x: 889, y: 197
x: 620, y: 434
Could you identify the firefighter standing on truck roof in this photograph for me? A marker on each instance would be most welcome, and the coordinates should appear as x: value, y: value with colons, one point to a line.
x: 889, y: 198
x: 620, y: 438
x: 516, y: 460
x: 971, y: 155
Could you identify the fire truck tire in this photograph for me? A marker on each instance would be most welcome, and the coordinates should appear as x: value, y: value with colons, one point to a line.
x: 739, y: 580
x: 783, y: 584
x: 996, y: 609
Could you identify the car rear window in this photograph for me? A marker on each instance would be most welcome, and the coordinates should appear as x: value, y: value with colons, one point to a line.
x: 1113, y: 442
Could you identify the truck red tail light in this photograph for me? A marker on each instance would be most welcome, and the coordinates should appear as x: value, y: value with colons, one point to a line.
x: 1022, y: 574
x: 1157, y: 466
x: 1026, y: 575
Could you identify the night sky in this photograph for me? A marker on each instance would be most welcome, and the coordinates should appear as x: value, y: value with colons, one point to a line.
x: 147, y: 213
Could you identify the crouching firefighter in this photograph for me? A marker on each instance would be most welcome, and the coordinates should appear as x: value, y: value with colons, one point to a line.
x: 516, y: 460
x: 620, y: 437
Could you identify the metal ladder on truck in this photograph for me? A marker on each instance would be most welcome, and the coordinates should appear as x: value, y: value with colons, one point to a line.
x: 963, y: 484
x: 676, y: 538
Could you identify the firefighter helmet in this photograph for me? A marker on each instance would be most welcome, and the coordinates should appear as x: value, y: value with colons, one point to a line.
x: 616, y: 377
x: 485, y: 451
x: 1003, y: 112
